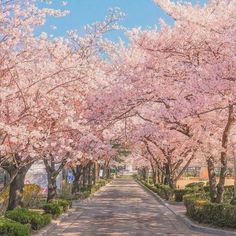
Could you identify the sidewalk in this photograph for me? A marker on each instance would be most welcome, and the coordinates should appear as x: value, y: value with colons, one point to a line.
x: 122, y: 208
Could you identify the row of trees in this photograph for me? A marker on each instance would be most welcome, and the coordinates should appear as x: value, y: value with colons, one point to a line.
x: 174, y: 91
x: 169, y: 96
x: 44, y: 83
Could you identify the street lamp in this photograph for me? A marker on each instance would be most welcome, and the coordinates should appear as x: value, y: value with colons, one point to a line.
x: 234, y: 153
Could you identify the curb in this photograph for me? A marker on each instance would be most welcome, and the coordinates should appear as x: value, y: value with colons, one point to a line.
x: 52, y: 226
x: 190, y: 224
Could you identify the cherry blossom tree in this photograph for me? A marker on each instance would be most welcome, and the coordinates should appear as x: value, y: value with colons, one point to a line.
x: 188, y: 70
x: 40, y: 99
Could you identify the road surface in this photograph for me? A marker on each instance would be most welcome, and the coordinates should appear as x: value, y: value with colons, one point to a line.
x: 122, y: 208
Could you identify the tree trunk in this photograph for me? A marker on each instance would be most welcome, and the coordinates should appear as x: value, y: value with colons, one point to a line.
x: 162, y: 178
x: 89, y: 173
x: 212, y: 179
x: 52, y: 186
x: 167, y: 174
x: 98, y: 171
x: 108, y: 175
x: 223, y: 159
x: 17, y: 187
x: 172, y: 182
x: 144, y: 174
x: 159, y: 179
x: 52, y: 173
x: 77, y: 171
x: 154, y: 176
x: 154, y: 173
x: 95, y: 172
x: 84, y: 177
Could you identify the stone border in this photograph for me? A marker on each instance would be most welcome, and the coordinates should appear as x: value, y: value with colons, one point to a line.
x: 50, y: 227
x: 187, y: 221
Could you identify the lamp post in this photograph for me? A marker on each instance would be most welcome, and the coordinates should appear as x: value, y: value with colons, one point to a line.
x: 234, y: 153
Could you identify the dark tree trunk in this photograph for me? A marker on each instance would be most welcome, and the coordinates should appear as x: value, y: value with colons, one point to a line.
x: 52, y: 186
x: 162, y: 178
x: 84, y: 177
x: 98, y: 171
x: 89, y: 174
x: 145, y: 174
x: 212, y: 179
x: 223, y: 159
x: 108, y: 175
x: 52, y: 173
x: 154, y: 176
x: 159, y: 179
x: 105, y: 171
x: 17, y: 186
x: 154, y: 173
x: 95, y: 172
x: 77, y: 171
x: 167, y: 174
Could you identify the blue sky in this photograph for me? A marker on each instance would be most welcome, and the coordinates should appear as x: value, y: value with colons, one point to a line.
x: 139, y: 13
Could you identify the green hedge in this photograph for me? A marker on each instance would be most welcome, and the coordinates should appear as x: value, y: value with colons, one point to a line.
x: 165, y: 191
x: 94, y: 188
x: 227, y: 196
x: 90, y: 189
x: 228, y: 189
x: 11, y: 228
x: 179, y: 193
x: 150, y: 186
x: 53, y: 209
x: 102, y: 182
x: 24, y: 216
x: 222, y: 215
x: 196, y: 186
x: 84, y: 194
x: 233, y: 201
x: 65, y: 204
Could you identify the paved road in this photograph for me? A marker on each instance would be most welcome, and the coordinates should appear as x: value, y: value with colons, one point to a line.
x: 122, y: 208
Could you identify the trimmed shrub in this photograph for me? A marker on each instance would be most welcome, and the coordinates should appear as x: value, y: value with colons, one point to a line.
x: 196, y: 186
x: 24, y: 216
x: 193, y: 204
x: 179, y: 193
x: 11, y: 228
x: 102, y: 182
x: 165, y: 191
x: 90, y: 189
x: 150, y: 186
x: 227, y: 196
x: 222, y: 215
x: 53, y: 209
x: 65, y: 204
x: 206, y: 188
x: 150, y: 181
x: 94, y: 188
x: 233, y: 201
x: 84, y: 194
x: 228, y: 189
